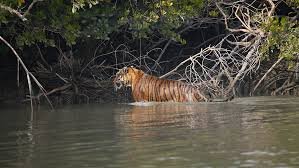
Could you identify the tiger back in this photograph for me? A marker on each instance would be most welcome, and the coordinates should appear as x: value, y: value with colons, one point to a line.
x: 151, y: 88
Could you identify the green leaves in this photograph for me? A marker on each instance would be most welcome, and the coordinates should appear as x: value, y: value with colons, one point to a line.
x: 141, y: 18
x: 294, y: 3
x: 80, y: 4
x: 20, y: 2
x: 283, y: 36
x: 97, y: 19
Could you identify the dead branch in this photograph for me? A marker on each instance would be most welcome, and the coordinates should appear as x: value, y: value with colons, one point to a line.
x: 284, y: 87
x: 244, y: 69
x: 64, y: 87
x: 219, y: 68
x: 161, y: 54
x: 18, y: 13
x: 29, y: 75
x: 269, y: 70
x: 272, y: 10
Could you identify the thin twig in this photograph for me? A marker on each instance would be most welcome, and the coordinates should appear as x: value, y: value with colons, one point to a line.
x: 269, y: 70
x: 161, y: 54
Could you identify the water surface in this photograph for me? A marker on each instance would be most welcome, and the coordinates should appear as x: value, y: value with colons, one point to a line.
x: 247, y: 132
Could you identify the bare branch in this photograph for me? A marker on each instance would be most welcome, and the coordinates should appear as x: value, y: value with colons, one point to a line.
x: 272, y: 10
x: 18, y: 13
x: 28, y: 74
x: 13, y: 11
x: 269, y: 70
x: 161, y: 54
x: 219, y: 68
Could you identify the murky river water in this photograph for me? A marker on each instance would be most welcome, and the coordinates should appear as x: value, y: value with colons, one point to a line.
x: 247, y: 132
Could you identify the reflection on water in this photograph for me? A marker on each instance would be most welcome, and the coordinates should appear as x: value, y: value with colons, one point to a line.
x: 247, y: 132
x: 165, y: 114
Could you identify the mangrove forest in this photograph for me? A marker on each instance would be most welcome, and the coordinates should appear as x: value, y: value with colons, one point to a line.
x: 68, y: 51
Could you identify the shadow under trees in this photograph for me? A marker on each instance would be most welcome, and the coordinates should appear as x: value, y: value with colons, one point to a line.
x: 242, y: 48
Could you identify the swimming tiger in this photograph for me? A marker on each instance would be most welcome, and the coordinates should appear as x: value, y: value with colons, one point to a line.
x: 146, y: 88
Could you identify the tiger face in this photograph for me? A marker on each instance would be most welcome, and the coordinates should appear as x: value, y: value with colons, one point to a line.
x: 125, y: 77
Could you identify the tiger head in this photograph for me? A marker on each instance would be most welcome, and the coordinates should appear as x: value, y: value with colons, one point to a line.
x: 126, y: 77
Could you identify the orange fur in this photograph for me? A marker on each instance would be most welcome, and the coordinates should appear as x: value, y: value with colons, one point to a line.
x: 151, y: 88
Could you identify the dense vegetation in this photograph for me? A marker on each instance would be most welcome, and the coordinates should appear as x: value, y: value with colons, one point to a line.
x: 73, y: 48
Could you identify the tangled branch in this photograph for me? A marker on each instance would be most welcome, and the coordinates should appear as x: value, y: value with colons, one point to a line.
x: 219, y: 68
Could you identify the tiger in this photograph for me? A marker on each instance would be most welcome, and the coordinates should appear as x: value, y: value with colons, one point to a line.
x: 149, y: 88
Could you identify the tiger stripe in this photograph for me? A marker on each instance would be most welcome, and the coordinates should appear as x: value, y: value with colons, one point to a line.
x: 151, y: 88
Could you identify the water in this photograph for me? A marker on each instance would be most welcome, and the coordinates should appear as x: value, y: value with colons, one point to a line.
x: 247, y: 132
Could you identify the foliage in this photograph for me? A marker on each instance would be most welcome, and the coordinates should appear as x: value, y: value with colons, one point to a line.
x: 67, y: 23
x: 293, y: 3
x: 78, y: 4
x: 283, y: 38
x: 48, y: 20
x: 53, y: 20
